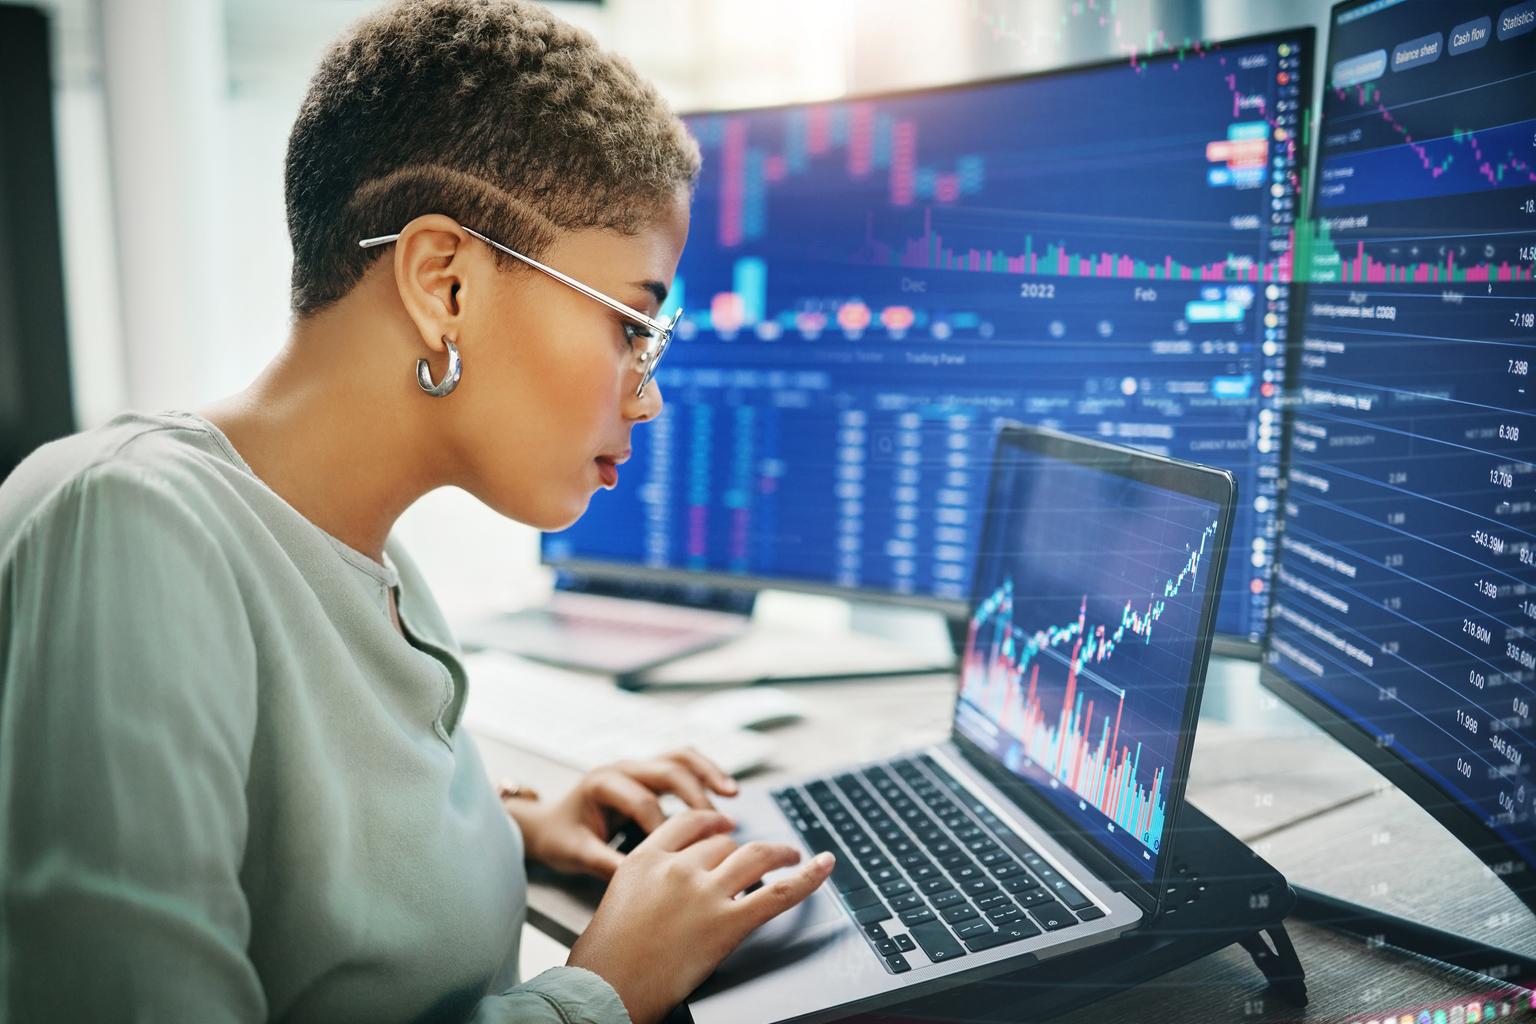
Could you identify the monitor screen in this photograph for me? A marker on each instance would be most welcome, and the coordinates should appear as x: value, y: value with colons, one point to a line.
x: 870, y: 285
x: 1405, y: 602
x: 1076, y: 672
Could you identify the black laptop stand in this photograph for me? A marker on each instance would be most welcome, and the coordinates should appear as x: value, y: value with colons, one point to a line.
x: 1224, y: 894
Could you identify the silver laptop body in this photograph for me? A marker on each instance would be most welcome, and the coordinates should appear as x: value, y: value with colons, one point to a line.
x: 820, y: 961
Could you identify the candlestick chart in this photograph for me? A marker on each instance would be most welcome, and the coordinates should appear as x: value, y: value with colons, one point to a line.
x: 871, y: 284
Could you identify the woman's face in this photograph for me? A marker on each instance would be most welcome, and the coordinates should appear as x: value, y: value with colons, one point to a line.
x: 548, y: 389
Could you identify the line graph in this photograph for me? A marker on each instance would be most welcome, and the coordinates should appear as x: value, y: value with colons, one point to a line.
x: 1456, y: 162
x: 1079, y: 743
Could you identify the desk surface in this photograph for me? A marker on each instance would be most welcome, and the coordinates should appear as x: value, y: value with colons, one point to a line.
x: 1313, y: 810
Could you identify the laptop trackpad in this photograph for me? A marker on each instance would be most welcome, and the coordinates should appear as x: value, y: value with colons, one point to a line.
x: 799, y: 932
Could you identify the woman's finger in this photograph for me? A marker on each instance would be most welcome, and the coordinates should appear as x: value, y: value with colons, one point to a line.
x: 757, y: 908
x: 705, y: 769
x: 670, y: 777
x: 596, y: 857
x: 708, y: 853
x: 749, y: 863
x: 622, y: 793
x: 686, y: 828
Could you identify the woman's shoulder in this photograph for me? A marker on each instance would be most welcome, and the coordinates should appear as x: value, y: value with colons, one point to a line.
x: 159, y: 464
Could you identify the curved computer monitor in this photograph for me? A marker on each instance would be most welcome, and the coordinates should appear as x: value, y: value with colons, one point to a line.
x: 872, y: 284
x: 1404, y: 617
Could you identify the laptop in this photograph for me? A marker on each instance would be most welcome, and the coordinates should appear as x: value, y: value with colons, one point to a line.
x: 1044, y: 823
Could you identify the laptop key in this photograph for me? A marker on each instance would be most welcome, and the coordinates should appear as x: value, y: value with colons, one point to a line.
x: 1052, y: 916
x: 1003, y: 914
x: 886, y: 947
x: 1068, y: 894
x: 960, y: 912
x: 933, y: 885
x: 895, y: 887
x: 922, y: 872
x: 905, y: 943
x: 937, y: 942
x: 858, y: 899
x: 1090, y: 914
x: 906, y: 901
x: 844, y: 875
x: 971, y: 929
x: 978, y: 886
x: 872, y: 914
x: 898, y: 963
x: 1034, y: 898
x: 912, y: 918
x: 1006, y: 869
x: 946, y: 899
x: 875, y: 931
x: 992, y: 899
x: 1011, y: 932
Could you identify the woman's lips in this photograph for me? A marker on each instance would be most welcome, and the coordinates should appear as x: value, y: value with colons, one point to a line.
x: 607, y: 470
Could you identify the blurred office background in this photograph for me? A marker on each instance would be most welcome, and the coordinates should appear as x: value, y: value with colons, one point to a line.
x: 171, y: 118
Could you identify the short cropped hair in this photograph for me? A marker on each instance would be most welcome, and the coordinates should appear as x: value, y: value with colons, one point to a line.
x: 493, y: 112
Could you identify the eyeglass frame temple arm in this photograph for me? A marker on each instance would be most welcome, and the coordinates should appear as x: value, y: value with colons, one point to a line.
x: 613, y: 304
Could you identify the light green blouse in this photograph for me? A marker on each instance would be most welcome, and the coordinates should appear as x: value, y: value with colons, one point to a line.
x: 230, y: 790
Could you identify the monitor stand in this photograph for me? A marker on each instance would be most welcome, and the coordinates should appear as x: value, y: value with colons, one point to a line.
x: 614, y: 628
x: 649, y: 635
x: 806, y: 638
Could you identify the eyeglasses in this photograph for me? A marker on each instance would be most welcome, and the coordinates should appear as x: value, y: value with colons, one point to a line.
x: 647, y: 355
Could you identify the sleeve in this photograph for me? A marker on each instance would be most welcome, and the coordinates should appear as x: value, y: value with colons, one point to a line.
x: 127, y: 715
x: 561, y: 995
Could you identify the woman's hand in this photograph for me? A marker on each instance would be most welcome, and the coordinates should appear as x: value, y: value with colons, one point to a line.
x: 670, y: 914
x: 571, y: 834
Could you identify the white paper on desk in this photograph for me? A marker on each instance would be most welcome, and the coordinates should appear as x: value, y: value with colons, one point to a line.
x: 766, y: 653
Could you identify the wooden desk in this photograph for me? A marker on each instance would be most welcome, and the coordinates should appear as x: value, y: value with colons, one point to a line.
x: 1313, y: 810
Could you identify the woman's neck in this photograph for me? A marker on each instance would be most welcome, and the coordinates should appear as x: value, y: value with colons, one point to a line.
x: 334, y: 433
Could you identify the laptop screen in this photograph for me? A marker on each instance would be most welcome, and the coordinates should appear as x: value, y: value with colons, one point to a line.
x: 1077, y: 674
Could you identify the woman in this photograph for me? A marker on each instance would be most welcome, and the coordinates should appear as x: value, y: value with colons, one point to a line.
x: 233, y: 785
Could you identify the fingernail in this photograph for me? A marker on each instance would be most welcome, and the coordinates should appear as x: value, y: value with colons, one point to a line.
x: 823, y: 861
x: 730, y: 786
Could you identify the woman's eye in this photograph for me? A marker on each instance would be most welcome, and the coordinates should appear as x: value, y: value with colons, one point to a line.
x: 634, y: 333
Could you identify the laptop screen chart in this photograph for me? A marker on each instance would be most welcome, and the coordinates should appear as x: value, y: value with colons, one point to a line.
x: 1076, y: 668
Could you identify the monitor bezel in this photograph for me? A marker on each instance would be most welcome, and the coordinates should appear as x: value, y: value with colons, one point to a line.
x: 1204, y: 483
x: 1235, y: 645
x: 1493, y: 850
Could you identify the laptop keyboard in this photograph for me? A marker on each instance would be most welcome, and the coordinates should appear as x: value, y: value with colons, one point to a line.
x: 921, y: 863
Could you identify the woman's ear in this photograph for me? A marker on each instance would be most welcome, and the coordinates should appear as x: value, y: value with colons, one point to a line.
x: 432, y: 277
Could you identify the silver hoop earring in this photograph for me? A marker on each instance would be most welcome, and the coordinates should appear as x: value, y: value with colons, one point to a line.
x: 450, y: 379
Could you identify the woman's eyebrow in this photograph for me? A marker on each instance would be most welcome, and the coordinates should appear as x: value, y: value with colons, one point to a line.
x: 656, y: 288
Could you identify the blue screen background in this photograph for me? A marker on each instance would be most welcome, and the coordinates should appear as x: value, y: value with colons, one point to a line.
x: 870, y: 285
x: 1406, y: 591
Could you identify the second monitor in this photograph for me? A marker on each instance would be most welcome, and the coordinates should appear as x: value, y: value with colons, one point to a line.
x: 871, y: 285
